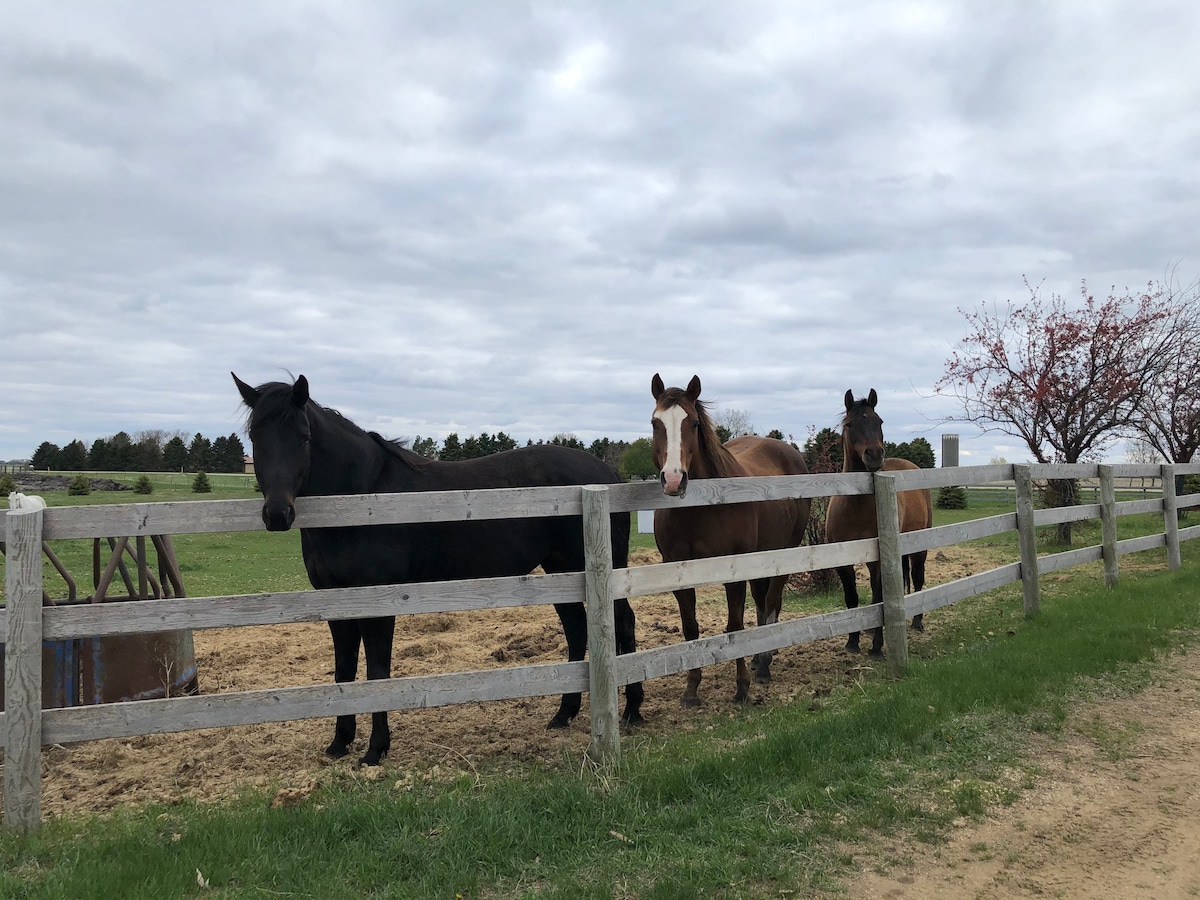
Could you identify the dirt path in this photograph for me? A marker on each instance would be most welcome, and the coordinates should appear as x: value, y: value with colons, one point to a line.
x: 1115, y: 816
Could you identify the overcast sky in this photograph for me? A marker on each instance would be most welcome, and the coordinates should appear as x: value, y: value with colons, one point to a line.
x: 467, y: 217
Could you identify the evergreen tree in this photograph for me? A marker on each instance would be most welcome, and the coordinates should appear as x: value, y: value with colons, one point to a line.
x: 452, y: 448
x: 568, y: 440
x: 146, y: 454
x: 46, y: 456
x: 175, y: 455
x: 74, y: 457
x: 199, y: 454
x: 99, y: 457
x: 120, y: 449
x: 235, y: 454
x: 426, y: 447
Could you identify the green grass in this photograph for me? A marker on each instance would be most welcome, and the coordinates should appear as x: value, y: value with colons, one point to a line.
x: 750, y: 803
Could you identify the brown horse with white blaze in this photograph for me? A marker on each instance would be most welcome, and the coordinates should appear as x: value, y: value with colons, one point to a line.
x: 686, y: 447
x: 853, y: 518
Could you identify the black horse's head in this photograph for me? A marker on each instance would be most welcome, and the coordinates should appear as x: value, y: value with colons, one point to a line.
x: 862, y: 432
x: 279, y: 431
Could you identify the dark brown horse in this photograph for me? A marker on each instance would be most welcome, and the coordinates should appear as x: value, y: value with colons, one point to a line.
x: 685, y: 447
x: 853, y: 518
x: 303, y: 449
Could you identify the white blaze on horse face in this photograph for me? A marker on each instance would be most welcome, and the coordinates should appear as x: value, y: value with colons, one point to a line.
x: 672, y: 470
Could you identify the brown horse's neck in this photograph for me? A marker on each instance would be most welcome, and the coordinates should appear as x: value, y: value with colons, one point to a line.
x: 851, y: 461
x: 713, y: 460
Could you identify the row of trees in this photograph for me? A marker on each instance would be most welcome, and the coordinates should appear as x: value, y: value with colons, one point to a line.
x: 148, y: 451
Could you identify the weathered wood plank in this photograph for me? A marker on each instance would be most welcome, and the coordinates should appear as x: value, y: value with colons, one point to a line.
x: 111, y: 720
x: 1068, y: 559
x: 1060, y: 514
x: 947, y: 535
x: 1171, y: 518
x: 1027, y: 540
x: 662, y: 578
x: 1048, y: 472
x: 1108, y: 526
x: 708, y: 491
x: 605, y: 748
x: 133, y: 617
x: 961, y: 588
x: 1138, y: 544
x: 661, y: 661
x: 914, y: 479
x: 1135, y: 507
x: 23, y: 669
x: 891, y: 573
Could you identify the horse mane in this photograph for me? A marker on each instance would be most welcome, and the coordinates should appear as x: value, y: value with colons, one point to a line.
x: 275, y: 404
x: 723, y: 463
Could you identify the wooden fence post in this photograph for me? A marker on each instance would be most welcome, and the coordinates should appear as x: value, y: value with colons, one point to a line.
x: 1027, y: 540
x: 602, y: 640
x: 1108, y: 524
x: 23, y: 670
x: 1171, y: 517
x: 891, y: 574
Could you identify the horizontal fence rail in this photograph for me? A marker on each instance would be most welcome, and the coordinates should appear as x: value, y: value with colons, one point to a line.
x: 25, y: 622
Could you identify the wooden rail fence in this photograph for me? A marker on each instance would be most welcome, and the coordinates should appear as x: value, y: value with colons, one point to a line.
x: 25, y: 727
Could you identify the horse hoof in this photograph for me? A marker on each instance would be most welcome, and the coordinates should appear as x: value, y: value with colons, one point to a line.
x: 559, y: 721
x: 632, y: 719
x: 337, y: 750
x: 762, y: 678
x: 919, y: 626
x: 372, y: 758
x: 689, y: 702
x: 875, y: 654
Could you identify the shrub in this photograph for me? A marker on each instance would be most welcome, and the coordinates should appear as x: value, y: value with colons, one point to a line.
x: 79, y: 486
x: 952, y: 496
x: 7, y: 485
x: 200, y: 484
x: 143, y: 485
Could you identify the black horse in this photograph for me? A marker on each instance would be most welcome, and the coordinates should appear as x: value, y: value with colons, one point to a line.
x: 302, y: 449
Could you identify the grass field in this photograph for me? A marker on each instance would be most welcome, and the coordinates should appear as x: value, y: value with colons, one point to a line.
x: 757, y: 802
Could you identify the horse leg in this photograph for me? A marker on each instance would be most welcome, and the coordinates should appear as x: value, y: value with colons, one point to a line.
x: 735, y: 598
x: 918, y: 583
x: 850, y: 590
x: 377, y: 637
x: 573, y: 617
x: 876, y: 597
x: 346, y: 638
x: 627, y: 643
x: 768, y: 602
x: 686, y: 599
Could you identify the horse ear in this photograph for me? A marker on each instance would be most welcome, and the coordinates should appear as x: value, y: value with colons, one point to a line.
x: 656, y: 386
x: 249, y: 395
x: 872, y: 398
x: 693, y: 390
x: 849, y: 400
x: 300, y: 391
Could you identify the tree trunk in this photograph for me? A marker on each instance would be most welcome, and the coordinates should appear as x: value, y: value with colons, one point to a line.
x: 1062, y: 492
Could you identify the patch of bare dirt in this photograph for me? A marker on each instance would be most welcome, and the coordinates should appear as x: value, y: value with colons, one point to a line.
x: 1115, y: 815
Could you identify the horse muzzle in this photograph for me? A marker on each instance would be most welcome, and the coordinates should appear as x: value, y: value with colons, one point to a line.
x: 278, y: 516
x: 674, y: 483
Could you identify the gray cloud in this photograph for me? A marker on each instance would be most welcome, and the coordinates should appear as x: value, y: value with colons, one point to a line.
x: 489, y: 216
